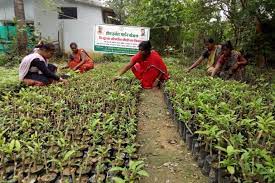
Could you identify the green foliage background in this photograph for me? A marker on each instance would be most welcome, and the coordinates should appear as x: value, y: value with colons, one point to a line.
x: 184, y: 25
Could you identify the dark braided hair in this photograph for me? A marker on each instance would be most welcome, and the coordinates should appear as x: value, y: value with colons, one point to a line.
x: 145, y: 45
x: 46, y: 47
x: 210, y: 40
x: 228, y: 45
x: 73, y: 44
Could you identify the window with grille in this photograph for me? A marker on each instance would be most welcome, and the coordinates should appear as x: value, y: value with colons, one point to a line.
x: 67, y: 13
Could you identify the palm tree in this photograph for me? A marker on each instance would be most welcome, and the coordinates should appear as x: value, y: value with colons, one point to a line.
x: 21, y: 24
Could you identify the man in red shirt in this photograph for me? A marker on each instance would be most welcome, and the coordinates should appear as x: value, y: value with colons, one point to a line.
x: 147, y: 66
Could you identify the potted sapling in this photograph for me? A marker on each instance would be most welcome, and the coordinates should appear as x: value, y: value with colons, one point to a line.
x: 130, y: 174
x: 36, y: 149
x: 48, y: 176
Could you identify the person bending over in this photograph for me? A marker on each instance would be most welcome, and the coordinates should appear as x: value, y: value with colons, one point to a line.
x: 147, y: 66
x: 211, y: 53
x: 230, y: 64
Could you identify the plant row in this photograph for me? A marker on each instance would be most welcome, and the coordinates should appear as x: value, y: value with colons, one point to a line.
x: 83, y: 131
x: 229, y: 126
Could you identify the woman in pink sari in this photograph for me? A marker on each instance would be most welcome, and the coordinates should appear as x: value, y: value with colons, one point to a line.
x: 147, y: 66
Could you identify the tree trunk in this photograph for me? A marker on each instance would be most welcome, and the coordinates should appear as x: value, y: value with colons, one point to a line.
x: 21, y: 24
x: 194, y: 49
x: 260, y: 58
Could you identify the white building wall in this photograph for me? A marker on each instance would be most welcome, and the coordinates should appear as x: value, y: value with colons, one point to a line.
x: 45, y: 21
x: 7, y: 10
x: 48, y: 25
x: 68, y: 30
x: 81, y: 30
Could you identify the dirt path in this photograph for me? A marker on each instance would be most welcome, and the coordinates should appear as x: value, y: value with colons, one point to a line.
x: 166, y: 157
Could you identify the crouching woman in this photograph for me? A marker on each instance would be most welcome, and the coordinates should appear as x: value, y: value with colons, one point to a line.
x: 230, y: 64
x: 147, y: 66
x: 35, y: 70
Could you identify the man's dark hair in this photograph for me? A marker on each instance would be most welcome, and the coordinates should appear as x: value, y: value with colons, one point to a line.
x: 145, y: 45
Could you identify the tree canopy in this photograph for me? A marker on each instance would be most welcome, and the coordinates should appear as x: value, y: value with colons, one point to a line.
x: 185, y: 24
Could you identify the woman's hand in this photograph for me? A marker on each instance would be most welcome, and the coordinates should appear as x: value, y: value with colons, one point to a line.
x: 65, y: 67
x: 116, y: 78
x: 76, y: 69
x: 63, y: 80
x: 188, y: 70
x: 211, y: 77
x: 71, y: 57
x: 235, y: 66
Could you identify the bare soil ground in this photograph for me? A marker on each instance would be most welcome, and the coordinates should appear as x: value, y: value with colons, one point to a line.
x: 165, y: 154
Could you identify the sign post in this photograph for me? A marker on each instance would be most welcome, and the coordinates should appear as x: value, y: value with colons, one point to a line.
x: 119, y: 39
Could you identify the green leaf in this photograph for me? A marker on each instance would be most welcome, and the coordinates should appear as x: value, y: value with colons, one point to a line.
x: 131, y: 164
x: 134, y: 164
x: 11, y: 145
x: 143, y: 173
x: 17, y: 146
x: 118, y: 180
x: 2, y: 133
x: 202, y: 132
x: 116, y: 168
x: 68, y: 155
x: 230, y: 150
x: 231, y: 170
x: 220, y: 132
x: 220, y: 148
